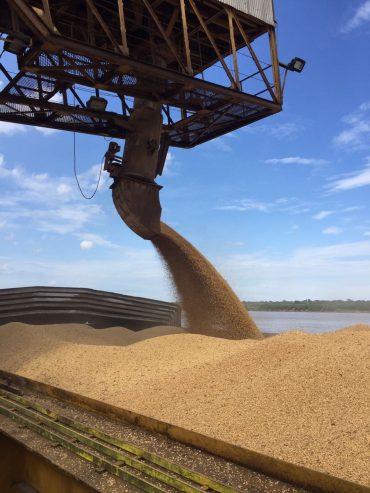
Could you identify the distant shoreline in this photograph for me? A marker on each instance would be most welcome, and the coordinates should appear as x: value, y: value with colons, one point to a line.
x: 307, y: 311
x: 317, y: 306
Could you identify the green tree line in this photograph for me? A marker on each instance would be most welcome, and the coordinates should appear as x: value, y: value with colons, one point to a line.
x: 309, y: 306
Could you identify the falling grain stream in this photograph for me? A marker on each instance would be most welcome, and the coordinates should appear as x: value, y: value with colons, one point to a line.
x: 211, y: 307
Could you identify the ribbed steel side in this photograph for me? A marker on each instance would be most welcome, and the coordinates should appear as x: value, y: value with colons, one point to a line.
x: 48, y: 305
x: 260, y: 9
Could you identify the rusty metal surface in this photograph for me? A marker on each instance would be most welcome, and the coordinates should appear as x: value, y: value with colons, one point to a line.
x: 74, y: 49
x: 137, y: 203
x: 100, y: 309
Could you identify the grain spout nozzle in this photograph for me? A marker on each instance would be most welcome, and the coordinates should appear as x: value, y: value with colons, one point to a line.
x: 135, y: 193
x: 137, y: 203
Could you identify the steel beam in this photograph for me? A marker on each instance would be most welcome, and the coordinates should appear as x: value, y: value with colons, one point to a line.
x: 105, y: 46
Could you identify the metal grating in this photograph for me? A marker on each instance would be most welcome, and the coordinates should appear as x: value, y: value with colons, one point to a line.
x: 82, y: 53
x: 209, y: 109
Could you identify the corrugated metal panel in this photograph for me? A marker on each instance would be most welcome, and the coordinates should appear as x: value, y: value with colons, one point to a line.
x: 45, y: 305
x: 261, y: 9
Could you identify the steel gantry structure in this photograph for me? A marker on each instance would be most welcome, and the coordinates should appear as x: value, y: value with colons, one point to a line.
x: 176, y: 73
x: 160, y: 50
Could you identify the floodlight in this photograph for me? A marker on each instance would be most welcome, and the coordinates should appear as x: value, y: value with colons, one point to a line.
x: 296, y: 65
x: 16, y: 43
x: 96, y: 103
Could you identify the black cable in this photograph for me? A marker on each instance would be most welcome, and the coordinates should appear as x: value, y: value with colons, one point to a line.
x: 75, y: 172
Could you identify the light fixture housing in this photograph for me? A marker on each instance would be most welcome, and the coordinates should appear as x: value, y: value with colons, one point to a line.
x: 296, y: 65
x: 96, y: 103
x: 16, y: 43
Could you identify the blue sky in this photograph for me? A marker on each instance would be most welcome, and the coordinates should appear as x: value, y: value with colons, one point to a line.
x: 280, y: 207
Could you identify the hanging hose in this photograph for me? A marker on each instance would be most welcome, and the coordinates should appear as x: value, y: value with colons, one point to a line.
x: 75, y: 172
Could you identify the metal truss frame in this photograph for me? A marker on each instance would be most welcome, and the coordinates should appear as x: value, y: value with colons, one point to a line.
x: 160, y: 50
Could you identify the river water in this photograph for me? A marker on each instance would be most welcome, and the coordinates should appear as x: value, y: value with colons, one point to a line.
x: 308, y: 321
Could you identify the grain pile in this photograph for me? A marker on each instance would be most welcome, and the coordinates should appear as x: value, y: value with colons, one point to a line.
x: 301, y: 397
x: 211, y: 307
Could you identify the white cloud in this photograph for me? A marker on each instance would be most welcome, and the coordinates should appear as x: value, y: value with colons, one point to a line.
x: 63, y: 189
x: 289, y: 205
x: 171, y: 165
x: 365, y: 106
x: 46, y: 130
x: 322, y: 215
x: 360, y: 17
x: 296, y: 160
x: 329, y: 272
x: 332, y: 230
x: 66, y: 219
x: 246, y: 205
x: 356, y: 136
x: 221, y: 144
x: 4, y: 268
x: 279, y: 131
x: 6, y: 172
x: 42, y: 187
x: 96, y: 239
x: 367, y: 233
x: 86, y: 244
x: 168, y: 165
x: 360, y: 178
x: 338, y: 251
x: 136, y: 272
x: 9, y: 128
x: 353, y: 208
x: 88, y: 179
x: 51, y: 204
x: 327, y: 213
x: 284, y: 130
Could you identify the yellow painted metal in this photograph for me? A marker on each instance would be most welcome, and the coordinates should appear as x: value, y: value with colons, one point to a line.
x: 310, y: 479
x: 80, y: 452
x: 132, y: 449
x: 87, y: 436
